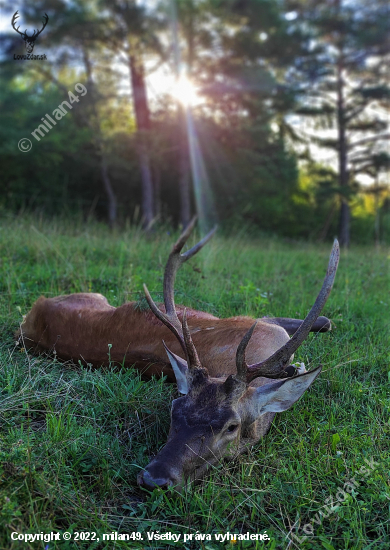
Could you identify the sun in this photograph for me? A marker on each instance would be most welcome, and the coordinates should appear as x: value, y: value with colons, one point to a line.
x: 184, y: 91
x: 180, y: 88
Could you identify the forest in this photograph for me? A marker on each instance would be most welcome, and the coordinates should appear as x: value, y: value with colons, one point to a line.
x: 263, y: 114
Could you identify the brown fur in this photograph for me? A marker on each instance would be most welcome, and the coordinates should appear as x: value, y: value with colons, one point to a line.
x: 81, y: 327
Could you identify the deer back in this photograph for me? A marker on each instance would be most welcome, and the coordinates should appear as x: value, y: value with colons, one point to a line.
x: 81, y: 327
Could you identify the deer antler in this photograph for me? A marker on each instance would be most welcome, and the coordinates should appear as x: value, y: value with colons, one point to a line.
x: 170, y: 318
x: 13, y: 21
x: 45, y: 21
x: 36, y: 33
x: 274, y: 366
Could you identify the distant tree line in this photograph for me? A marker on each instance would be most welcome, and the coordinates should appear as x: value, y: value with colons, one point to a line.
x: 275, y: 78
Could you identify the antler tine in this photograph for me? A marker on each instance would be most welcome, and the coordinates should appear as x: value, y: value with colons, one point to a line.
x: 175, y: 327
x: 242, y: 367
x: 45, y: 22
x: 273, y: 367
x: 192, y: 354
x: 13, y: 21
x: 175, y: 260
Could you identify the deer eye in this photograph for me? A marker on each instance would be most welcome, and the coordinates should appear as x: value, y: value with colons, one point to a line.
x: 231, y: 428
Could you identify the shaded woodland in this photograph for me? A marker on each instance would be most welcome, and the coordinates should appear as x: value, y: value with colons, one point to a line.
x: 288, y: 133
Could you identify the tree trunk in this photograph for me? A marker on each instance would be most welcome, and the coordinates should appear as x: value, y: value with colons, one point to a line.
x: 324, y: 231
x: 184, y: 170
x: 377, y: 220
x: 344, y: 220
x: 142, y: 117
x: 112, y: 203
x: 147, y: 186
x: 183, y: 146
x: 111, y: 198
x: 345, y: 216
x: 157, y: 191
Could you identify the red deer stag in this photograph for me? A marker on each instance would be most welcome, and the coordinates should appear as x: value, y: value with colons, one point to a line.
x: 225, y: 408
x: 227, y: 404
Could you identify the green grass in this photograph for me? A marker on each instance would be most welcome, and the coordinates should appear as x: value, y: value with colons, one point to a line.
x: 73, y: 440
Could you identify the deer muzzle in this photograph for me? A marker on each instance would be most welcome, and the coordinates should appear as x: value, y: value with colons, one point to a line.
x: 162, y: 472
x: 148, y: 481
x: 181, y: 460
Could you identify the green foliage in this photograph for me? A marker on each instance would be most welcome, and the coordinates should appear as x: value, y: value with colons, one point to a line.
x: 341, y: 84
x: 254, y: 63
x: 72, y: 440
x: 51, y: 174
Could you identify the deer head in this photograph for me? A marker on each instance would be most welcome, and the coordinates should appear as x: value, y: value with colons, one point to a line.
x: 219, y: 417
x: 29, y: 40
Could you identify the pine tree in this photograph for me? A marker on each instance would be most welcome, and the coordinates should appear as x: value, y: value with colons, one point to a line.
x: 342, y: 81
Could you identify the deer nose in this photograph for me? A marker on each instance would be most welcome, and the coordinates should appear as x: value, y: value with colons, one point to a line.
x: 149, y: 482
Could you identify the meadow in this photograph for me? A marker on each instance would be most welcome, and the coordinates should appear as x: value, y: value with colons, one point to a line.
x: 73, y: 439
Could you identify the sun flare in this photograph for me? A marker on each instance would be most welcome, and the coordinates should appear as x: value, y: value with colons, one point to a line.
x: 185, y: 92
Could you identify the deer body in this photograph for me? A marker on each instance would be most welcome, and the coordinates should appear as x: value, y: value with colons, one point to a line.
x: 81, y: 326
x: 234, y: 375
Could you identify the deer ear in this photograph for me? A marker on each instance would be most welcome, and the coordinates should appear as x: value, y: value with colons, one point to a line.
x: 280, y: 396
x: 180, y: 368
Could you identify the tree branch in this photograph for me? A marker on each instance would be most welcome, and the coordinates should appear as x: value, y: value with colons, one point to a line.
x: 368, y: 139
